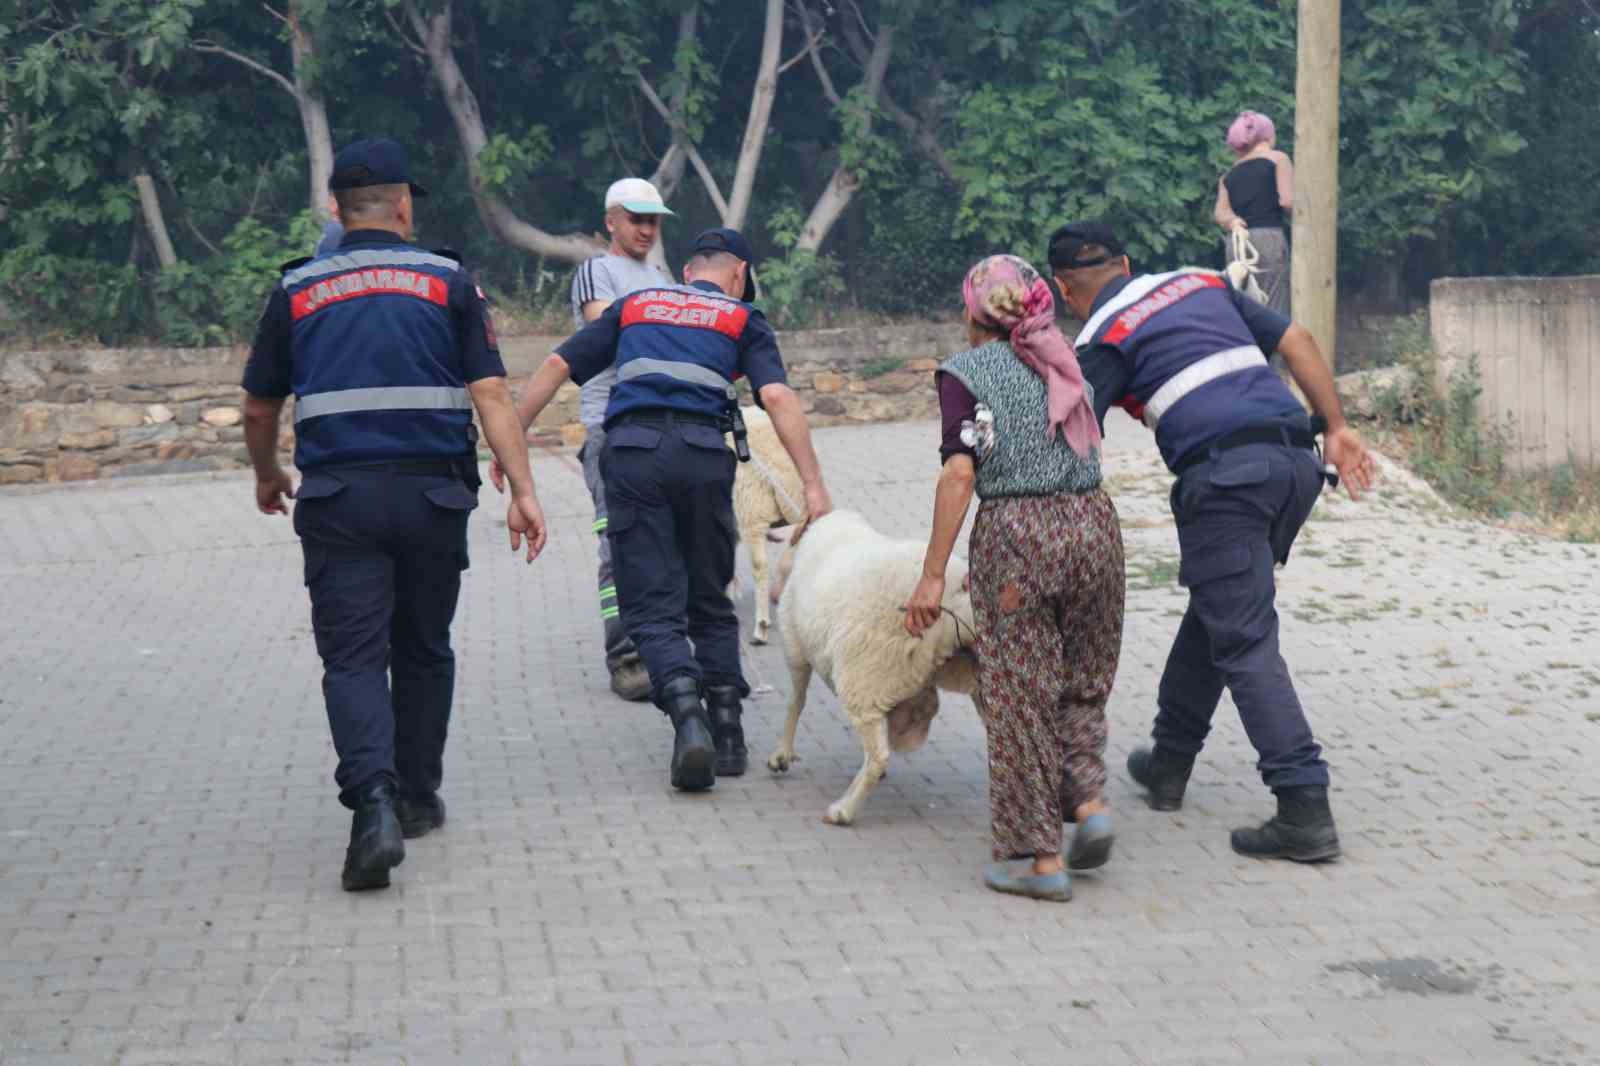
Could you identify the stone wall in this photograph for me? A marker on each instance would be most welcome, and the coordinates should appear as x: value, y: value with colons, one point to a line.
x: 1537, y: 342
x: 73, y: 414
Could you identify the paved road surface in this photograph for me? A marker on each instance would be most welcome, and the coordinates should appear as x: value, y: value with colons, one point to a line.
x: 171, y: 840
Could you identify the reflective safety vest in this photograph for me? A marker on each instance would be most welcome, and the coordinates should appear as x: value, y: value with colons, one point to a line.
x: 378, y: 373
x: 678, y: 348
x: 1195, y: 367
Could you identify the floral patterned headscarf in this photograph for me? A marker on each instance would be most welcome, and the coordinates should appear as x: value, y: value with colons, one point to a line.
x: 1005, y: 292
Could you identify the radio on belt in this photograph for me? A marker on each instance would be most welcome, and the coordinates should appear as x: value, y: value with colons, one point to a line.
x: 741, y: 437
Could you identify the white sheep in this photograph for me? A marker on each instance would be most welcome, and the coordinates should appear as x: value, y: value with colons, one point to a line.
x: 842, y: 615
x: 766, y: 492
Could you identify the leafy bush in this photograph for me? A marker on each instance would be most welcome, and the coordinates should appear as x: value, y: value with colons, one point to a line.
x: 57, y: 294
x: 797, y: 289
x: 186, y: 305
x: 1458, y: 451
x: 910, y: 265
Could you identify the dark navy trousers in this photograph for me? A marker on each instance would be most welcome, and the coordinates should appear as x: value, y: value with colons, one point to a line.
x: 669, y: 493
x: 1238, y: 514
x: 384, y: 551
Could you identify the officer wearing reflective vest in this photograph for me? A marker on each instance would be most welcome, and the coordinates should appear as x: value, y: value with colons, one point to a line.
x: 386, y: 349
x: 668, y: 478
x: 1187, y: 353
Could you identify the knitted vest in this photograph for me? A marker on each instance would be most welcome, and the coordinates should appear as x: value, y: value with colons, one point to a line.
x: 1025, y: 460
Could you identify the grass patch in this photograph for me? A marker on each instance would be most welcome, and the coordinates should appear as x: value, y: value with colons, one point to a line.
x: 1431, y: 418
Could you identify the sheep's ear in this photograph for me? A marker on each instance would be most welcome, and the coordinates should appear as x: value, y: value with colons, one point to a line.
x: 800, y: 531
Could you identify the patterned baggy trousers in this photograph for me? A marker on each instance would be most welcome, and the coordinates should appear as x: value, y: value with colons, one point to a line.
x: 1047, y: 591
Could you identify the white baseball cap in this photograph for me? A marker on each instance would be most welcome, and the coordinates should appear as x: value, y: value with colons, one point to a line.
x: 636, y: 195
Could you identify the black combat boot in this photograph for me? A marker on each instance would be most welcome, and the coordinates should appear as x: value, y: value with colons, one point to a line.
x: 419, y: 812
x: 1163, y: 773
x: 376, y: 844
x: 723, y: 703
x: 1303, y: 829
x: 694, y: 757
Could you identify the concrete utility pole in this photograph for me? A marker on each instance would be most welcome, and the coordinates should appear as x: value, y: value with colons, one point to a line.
x: 1315, y: 263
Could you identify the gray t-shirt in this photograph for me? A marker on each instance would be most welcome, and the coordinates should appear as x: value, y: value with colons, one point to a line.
x: 606, y: 278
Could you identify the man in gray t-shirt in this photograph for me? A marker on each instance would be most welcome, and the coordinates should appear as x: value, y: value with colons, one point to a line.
x: 633, y: 218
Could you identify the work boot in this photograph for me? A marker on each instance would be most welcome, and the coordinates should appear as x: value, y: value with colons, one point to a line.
x: 1302, y: 830
x: 629, y: 678
x: 722, y: 701
x: 1164, y: 775
x: 376, y: 844
x: 694, y: 754
x: 419, y: 813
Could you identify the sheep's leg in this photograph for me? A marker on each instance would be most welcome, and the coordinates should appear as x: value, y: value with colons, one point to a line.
x: 875, y: 761
x: 799, y: 681
x: 757, y: 543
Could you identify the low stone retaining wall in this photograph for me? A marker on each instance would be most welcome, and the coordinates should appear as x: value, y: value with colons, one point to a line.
x: 74, y: 414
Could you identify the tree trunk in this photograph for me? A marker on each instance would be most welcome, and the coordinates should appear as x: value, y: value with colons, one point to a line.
x: 669, y: 172
x: 842, y: 187
x: 502, y: 221
x: 755, y: 130
x: 313, y: 115
x: 155, y: 221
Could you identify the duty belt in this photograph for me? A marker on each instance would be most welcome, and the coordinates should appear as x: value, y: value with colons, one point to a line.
x: 732, y: 423
x: 464, y: 466
x: 1288, y: 436
x: 663, y: 415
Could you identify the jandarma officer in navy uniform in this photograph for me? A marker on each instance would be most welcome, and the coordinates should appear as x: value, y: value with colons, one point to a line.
x: 669, y: 480
x: 1188, y: 354
x: 386, y: 348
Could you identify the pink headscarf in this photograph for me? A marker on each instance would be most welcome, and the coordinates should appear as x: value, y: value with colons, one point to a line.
x: 1249, y: 130
x: 1004, y: 292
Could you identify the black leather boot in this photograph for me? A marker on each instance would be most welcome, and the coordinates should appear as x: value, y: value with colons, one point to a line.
x: 376, y: 844
x: 1302, y: 830
x: 1164, y: 775
x: 723, y: 703
x: 419, y: 813
x: 694, y: 755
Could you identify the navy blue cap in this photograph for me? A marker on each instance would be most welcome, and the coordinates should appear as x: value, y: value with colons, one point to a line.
x: 1067, y: 245
x: 726, y: 239
x: 374, y: 161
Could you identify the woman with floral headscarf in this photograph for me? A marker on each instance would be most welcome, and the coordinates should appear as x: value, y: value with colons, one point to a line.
x: 1045, y: 568
x: 1256, y: 196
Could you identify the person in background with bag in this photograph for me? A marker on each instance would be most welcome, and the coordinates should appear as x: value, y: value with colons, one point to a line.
x: 1254, y: 201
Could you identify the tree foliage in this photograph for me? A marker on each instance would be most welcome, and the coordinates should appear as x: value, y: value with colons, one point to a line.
x: 1470, y: 136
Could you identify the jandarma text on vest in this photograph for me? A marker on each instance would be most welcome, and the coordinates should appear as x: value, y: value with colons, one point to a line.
x: 1163, y: 297
x: 369, y: 283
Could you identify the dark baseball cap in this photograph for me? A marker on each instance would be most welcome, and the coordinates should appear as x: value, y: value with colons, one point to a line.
x: 374, y: 161
x: 726, y: 239
x: 1067, y: 245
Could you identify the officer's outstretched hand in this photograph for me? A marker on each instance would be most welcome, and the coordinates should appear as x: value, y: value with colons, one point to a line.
x: 271, y: 490
x: 525, y: 518
x: 497, y: 476
x: 1344, y: 448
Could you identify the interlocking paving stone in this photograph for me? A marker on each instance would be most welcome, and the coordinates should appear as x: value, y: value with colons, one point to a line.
x: 172, y: 842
